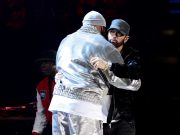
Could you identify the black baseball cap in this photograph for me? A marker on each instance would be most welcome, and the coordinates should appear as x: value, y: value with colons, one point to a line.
x: 120, y: 25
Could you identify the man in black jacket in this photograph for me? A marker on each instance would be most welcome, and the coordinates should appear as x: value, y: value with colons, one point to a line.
x: 121, y: 117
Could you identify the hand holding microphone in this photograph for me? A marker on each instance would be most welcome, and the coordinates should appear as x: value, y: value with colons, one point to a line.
x: 99, y: 63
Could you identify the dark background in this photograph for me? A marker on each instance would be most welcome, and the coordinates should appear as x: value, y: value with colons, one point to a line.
x: 28, y: 27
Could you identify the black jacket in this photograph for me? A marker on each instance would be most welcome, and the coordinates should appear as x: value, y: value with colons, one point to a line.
x: 122, y: 100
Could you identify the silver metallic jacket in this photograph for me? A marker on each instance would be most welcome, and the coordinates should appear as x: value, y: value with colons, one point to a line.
x: 72, y: 61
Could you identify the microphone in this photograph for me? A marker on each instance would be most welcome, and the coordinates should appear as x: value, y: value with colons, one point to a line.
x: 103, y: 77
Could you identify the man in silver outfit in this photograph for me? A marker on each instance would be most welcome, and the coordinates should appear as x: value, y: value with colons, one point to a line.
x: 78, y: 105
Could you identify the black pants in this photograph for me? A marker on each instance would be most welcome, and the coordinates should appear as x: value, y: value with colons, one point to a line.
x: 122, y: 127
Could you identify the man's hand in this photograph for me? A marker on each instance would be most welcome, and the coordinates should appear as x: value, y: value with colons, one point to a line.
x: 58, y: 77
x: 97, y: 62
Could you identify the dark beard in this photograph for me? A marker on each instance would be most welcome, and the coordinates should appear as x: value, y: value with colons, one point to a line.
x: 116, y: 44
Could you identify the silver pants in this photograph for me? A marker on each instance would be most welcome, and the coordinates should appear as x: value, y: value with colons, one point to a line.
x: 69, y: 124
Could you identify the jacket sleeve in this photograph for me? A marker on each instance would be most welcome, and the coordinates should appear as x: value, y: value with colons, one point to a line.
x: 132, y: 67
x: 40, y: 121
x: 123, y: 83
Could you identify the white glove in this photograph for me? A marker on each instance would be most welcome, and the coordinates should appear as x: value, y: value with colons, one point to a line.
x: 97, y: 62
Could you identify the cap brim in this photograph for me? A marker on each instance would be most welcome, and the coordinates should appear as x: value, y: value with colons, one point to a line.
x: 117, y: 30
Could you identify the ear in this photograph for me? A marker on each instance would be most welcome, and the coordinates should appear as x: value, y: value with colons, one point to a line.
x: 126, y: 39
x: 98, y: 28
